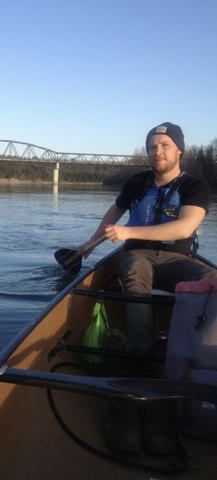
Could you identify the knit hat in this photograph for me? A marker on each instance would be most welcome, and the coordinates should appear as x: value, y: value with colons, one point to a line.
x: 173, y: 131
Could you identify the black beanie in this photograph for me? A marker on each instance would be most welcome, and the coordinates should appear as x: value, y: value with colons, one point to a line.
x: 173, y: 131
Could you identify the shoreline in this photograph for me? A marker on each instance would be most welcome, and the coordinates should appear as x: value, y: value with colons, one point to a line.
x: 16, y: 181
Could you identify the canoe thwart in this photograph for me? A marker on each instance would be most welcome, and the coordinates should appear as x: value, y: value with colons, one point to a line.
x: 149, y: 298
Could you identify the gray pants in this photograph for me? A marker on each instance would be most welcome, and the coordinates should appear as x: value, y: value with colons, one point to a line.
x: 142, y: 269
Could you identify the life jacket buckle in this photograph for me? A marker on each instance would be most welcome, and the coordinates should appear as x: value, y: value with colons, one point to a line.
x: 171, y: 211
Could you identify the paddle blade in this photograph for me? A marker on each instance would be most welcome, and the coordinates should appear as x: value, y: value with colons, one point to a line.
x: 69, y: 259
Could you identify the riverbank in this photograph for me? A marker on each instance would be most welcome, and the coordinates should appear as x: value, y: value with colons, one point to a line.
x: 16, y: 181
x: 14, y: 173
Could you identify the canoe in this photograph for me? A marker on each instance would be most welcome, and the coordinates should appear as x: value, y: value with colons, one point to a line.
x: 44, y: 372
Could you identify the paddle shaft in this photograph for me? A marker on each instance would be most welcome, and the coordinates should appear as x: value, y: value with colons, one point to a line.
x: 86, y: 250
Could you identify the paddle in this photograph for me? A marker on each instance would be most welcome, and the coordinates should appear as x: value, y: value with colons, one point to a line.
x: 71, y: 259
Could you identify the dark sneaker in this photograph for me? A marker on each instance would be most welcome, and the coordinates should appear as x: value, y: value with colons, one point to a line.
x: 158, y: 432
x: 123, y: 427
x: 115, y: 340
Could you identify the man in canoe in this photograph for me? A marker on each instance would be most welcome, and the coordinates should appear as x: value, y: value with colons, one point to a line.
x: 166, y: 206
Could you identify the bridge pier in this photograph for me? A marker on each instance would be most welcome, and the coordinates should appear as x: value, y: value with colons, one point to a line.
x: 56, y: 174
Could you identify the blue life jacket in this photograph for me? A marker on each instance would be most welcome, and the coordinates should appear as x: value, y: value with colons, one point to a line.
x: 160, y: 205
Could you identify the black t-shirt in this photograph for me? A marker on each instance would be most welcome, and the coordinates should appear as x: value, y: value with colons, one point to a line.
x: 193, y: 191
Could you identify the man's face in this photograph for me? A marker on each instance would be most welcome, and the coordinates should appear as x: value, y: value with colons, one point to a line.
x: 164, y: 155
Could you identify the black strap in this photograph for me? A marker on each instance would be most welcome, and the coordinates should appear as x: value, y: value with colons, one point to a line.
x: 158, y: 207
x: 203, y: 317
x: 169, y: 210
x: 148, y: 184
x: 175, y: 186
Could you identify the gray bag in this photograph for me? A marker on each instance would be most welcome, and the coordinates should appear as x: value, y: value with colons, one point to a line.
x: 192, y: 353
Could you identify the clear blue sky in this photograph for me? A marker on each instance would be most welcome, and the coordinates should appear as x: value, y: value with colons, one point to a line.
x: 96, y: 75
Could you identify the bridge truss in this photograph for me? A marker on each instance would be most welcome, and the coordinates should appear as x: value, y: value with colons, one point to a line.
x: 15, y: 150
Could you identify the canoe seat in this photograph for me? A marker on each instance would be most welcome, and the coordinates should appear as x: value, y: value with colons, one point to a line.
x: 157, y: 291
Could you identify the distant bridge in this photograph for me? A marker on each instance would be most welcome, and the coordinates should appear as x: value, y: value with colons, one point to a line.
x: 12, y: 150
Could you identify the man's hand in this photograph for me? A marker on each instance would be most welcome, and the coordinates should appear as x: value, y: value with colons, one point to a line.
x: 116, y: 233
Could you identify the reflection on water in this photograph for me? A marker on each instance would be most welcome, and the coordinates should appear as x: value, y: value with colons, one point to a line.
x: 37, y: 220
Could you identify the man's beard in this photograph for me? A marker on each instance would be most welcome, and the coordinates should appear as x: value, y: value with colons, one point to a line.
x: 164, y: 166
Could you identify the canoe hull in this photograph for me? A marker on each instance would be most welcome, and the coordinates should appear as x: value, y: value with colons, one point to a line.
x: 32, y: 443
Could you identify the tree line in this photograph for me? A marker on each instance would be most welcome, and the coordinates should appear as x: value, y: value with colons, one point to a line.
x: 43, y: 172
x: 198, y: 161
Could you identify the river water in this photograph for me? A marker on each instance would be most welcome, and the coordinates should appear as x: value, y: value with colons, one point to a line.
x: 35, y: 221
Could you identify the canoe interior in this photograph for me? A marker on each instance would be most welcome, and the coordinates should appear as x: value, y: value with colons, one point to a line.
x: 33, y: 445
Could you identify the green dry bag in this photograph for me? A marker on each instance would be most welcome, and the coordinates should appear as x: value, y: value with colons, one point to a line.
x: 94, y: 333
